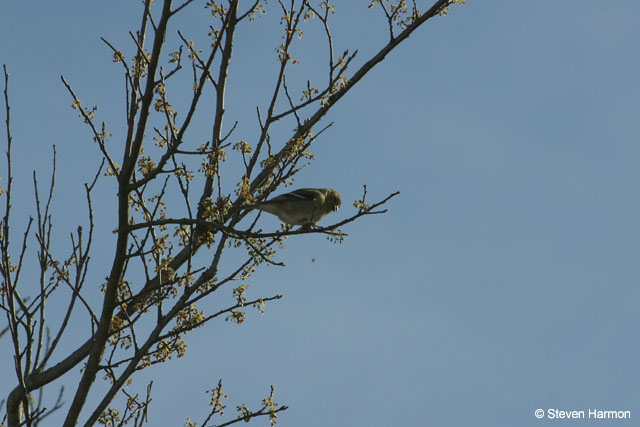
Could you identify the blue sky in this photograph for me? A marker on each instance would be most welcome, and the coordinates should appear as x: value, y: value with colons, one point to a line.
x: 504, y: 277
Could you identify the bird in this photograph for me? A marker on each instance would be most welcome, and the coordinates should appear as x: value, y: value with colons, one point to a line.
x: 305, y: 206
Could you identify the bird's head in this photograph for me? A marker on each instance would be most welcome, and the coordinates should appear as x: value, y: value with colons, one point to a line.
x: 333, y: 200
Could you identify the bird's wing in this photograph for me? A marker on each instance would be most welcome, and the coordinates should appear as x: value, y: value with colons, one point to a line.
x: 298, y: 195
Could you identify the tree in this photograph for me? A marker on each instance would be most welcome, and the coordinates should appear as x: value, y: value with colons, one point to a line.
x: 159, y: 274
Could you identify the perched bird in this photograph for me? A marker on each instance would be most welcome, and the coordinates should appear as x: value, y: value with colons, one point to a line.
x: 305, y: 206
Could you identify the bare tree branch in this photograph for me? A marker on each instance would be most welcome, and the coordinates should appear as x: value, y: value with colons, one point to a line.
x: 155, y: 280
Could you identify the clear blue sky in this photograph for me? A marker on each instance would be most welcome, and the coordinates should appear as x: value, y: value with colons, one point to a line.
x: 503, y: 279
